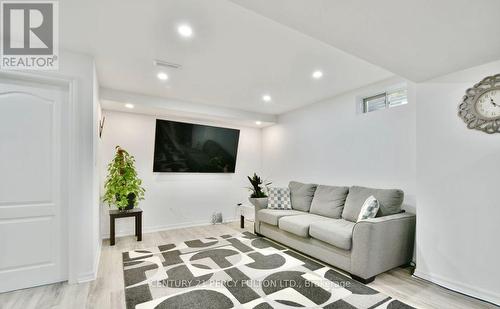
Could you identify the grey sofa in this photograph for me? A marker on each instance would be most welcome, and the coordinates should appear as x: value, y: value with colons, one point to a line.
x: 322, y: 224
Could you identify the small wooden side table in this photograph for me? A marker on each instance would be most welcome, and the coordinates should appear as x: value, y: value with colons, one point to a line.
x: 115, y: 213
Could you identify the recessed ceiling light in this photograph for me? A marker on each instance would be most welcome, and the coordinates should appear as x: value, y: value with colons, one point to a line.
x: 185, y: 30
x: 258, y: 122
x: 266, y: 98
x: 317, y: 74
x: 128, y: 105
x: 162, y: 76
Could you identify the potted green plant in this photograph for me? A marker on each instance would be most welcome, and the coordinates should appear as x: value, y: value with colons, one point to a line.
x: 123, y: 187
x: 258, y: 197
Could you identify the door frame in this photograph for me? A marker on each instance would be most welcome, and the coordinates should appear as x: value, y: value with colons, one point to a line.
x: 71, y: 84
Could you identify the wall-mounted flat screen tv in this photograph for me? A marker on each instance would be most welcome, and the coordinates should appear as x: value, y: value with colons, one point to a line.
x: 192, y: 148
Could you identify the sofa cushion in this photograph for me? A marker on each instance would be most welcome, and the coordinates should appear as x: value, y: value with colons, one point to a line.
x: 301, y: 195
x: 271, y: 216
x: 299, y: 225
x: 336, y: 232
x: 329, y: 201
x: 390, y: 201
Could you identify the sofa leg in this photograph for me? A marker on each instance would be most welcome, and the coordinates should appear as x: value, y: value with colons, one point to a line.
x: 364, y: 281
x: 255, y: 231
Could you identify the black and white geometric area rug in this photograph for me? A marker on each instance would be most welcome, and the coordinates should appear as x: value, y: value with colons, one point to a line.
x: 239, y: 271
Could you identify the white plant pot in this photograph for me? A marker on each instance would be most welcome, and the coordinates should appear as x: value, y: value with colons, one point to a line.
x: 259, y: 203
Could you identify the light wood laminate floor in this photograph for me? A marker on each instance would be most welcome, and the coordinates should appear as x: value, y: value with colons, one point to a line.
x: 107, y: 290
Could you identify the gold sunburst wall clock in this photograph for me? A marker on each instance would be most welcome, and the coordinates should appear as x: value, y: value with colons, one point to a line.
x: 480, y: 106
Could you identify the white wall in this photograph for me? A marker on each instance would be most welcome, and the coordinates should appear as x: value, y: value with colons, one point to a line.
x: 84, y: 247
x: 96, y: 215
x: 457, y: 180
x: 458, y: 190
x: 176, y: 199
x: 331, y: 143
x: 82, y: 221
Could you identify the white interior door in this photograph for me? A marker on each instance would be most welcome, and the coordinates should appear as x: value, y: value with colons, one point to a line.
x: 33, y: 182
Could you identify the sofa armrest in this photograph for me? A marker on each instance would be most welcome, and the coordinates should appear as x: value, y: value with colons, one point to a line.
x: 383, y: 243
x: 258, y: 205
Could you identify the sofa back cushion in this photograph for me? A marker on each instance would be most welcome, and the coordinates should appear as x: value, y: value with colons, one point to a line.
x: 390, y: 201
x: 301, y: 195
x: 329, y: 201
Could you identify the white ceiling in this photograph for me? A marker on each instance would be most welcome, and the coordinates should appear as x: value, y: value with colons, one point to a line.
x: 234, y: 57
x: 242, y: 49
x: 416, y: 39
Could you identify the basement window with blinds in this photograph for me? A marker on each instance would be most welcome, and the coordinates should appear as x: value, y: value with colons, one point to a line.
x: 385, y: 100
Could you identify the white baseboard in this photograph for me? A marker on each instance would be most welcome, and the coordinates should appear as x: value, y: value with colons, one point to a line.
x: 459, y: 287
x: 151, y: 229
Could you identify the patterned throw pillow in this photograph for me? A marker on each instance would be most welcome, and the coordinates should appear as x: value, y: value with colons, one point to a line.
x: 369, y: 209
x: 279, y: 198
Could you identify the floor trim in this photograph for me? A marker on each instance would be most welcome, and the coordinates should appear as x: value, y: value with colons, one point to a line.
x: 461, y: 288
